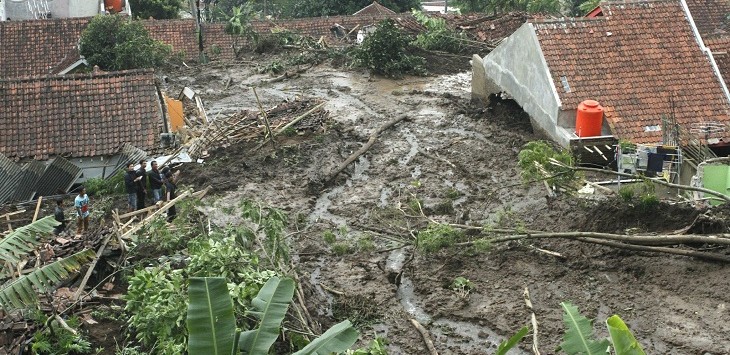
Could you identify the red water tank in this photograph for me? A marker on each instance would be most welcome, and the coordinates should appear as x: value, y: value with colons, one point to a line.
x: 589, y: 119
x: 114, y: 6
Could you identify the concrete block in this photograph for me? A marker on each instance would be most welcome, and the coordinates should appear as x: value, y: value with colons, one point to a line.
x: 479, y: 94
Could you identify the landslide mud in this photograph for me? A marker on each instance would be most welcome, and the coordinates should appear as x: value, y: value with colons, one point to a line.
x: 674, y: 305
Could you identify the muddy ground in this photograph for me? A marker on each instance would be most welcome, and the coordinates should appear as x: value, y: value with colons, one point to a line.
x: 675, y: 305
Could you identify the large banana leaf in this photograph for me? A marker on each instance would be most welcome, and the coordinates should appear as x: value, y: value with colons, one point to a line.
x: 211, y: 323
x: 624, y: 342
x: 19, y: 242
x: 578, y: 338
x: 21, y: 292
x: 270, y: 306
x: 337, y: 339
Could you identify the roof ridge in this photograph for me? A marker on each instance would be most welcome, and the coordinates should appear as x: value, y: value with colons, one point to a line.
x: 634, y: 2
x: 91, y: 75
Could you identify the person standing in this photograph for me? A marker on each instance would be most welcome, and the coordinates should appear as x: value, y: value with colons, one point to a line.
x: 155, y: 183
x: 171, y: 187
x: 60, y: 217
x: 130, y: 184
x: 141, y: 184
x: 81, y: 202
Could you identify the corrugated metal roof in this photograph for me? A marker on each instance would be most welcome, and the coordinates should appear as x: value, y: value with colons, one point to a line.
x: 128, y: 154
x: 10, y: 173
x: 58, y: 177
x: 30, y: 175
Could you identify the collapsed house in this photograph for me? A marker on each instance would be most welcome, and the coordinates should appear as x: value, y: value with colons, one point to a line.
x: 98, y: 122
x: 644, y: 61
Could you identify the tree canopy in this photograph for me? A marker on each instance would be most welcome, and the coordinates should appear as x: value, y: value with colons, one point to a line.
x: 114, y: 43
x: 306, y: 8
x: 157, y: 9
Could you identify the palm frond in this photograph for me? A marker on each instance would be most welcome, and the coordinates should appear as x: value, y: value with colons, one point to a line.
x: 22, y: 292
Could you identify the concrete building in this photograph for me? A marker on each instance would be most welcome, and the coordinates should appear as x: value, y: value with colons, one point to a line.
x: 644, y: 61
x: 41, y: 9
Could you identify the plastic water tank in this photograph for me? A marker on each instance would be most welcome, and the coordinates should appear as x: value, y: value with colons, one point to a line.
x: 114, y: 6
x: 589, y: 119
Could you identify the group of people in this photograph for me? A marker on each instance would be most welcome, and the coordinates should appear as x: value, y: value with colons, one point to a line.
x: 137, y: 182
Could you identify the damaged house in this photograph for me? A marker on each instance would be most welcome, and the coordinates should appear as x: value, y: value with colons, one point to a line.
x: 96, y: 121
x: 645, y: 62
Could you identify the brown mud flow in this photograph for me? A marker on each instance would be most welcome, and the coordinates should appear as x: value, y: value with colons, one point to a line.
x: 674, y: 305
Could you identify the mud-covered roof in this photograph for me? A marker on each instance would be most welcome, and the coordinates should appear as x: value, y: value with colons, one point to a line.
x: 641, y: 61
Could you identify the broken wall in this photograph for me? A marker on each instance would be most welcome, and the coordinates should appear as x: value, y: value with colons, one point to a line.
x: 517, y: 67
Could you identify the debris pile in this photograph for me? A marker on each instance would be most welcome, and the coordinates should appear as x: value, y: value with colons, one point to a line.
x: 288, y: 117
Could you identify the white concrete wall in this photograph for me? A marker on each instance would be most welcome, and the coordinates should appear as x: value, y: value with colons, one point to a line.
x: 82, y: 8
x: 18, y: 9
x: 518, y: 68
x: 2, y: 10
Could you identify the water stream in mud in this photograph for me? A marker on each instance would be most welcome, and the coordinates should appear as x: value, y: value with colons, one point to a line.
x: 454, y: 333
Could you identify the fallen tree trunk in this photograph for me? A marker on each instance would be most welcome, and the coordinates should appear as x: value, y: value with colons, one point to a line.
x: 373, y: 137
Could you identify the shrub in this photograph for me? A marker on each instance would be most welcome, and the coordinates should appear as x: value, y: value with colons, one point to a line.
x: 385, y: 52
x: 534, y: 160
x: 113, y: 43
x: 438, y: 36
x: 105, y: 187
x: 157, y: 9
x: 438, y: 236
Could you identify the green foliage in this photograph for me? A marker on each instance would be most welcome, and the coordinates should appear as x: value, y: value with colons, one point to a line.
x: 578, y: 338
x: 453, y: 193
x: 21, y: 292
x: 510, y: 343
x: 624, y: 342
x: 57, y: 340
x: 16, y: 245
x: 626, y: 193
x: 239, y: 22
x: 365, y: 243
x: 643, y: 196
x: 438, y: 236
x: 329, y: 237
x: 156, y: 9
x: 438, y: 36
x: 502, y: 6
x: 210, y: 319
x: 462, y: 286
x: 114, y: 43
x: 534, y: 160
x: 270, y: 307
x: 342, y: 248
x: 267, y: 225
x: 376, y: 347
x: 156, y: 302
x: 385, y: 52
x: 588, y: 6
x: 105, y: 187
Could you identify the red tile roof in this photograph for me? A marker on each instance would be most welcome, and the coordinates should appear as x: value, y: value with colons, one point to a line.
x: 180, y: 34
x: 487, y: 28
x: 633, y: 61
x: 34, y: 47
x: 375, y: 9
x: 720, y: 48
x: 78, y: 115
x: 709, y: 15
x: 38, y: 47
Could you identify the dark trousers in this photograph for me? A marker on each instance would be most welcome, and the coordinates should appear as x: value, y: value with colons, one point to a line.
x: 140, y: 199
x: 171, y: 214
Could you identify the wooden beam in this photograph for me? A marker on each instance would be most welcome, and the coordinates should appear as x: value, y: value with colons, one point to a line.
x: 37, y: 208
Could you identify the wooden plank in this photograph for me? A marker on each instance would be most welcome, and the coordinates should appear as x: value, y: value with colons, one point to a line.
x: 37, y: 208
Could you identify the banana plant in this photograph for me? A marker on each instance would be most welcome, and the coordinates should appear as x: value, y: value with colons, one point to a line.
x: 22, y: 292
x: 510, y: 343
x: 16, y: 245
x: 578, y: 338
x: 212, y: 326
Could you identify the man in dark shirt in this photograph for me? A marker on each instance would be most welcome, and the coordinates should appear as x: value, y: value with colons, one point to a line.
x: 171, y: 187
x: 60, y: 217
x: 141, y: 184
x: 130, y: 183
x: 155, y: 183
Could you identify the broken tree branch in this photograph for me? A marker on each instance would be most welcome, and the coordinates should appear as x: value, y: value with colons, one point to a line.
x: 37, y: 208
x: 425, y: 336
x: 92, y: 266
x: 656, y: 181
x: 265, y: 116
x: 373, y: 137
x: 533, y: 319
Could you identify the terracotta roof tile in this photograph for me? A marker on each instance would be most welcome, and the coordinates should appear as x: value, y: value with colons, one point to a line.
x: 636, y: 59
x: 375, y: 9
x: 78, y: 115
x: 709, y: 15
x: 38, y: 47
x: 720, y: 48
